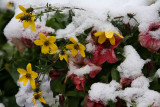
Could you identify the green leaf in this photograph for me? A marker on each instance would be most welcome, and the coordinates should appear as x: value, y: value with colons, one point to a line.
x: 115, y: 74
x: 154, y: 85
x: 73, y: 102
x: 71, y: 14
x: 71, y: 93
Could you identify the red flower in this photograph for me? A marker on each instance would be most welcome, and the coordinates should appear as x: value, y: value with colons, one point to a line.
x: 105, y: 52
x: 78, y: 81
x: 78, y: 62
x: 125, y: 81
x: 147, y: 39
x: 55, y: 74
x: 25, y: 41
x: 89, y: 103
x: 119, y: 103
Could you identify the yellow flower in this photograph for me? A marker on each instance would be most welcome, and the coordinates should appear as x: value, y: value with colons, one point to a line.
x: 75, y: 47
x: 9, y: 4
x: 27, y: 18
x: 63, y: 55
x: 37, y: 96
x: 28, y: 75
x: 46, y: 43
x: 107, y: 35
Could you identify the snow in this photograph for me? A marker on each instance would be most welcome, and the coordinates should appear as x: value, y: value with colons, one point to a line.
x: 140, y: 82
x: 104, y: 92
x: 132, y: 65
x: 94, y: 15
x: 157, y: 74
x: 25, y: 93
x: 2, y: 105
x: 90, y: 17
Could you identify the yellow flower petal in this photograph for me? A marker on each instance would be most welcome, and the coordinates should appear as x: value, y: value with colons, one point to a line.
x: 51, y: 39
x: 119, y: 35
x: 34, y: 102
x: 22, y: 78
x: 66, y: 57
x: 42, y: 100
x: 22, y: 8
x: 21, y: 71
x: 42, y: 37
x: 32, y: 82
x: 99, y: 34
x: 52, y: 51
x: 82, y: 47
x: 26, y: 24
x: 33, y: 17
x: 82, y: 52
x: 34, y: 74
x: 19, y: 15
x: 70, y: 46
x: 33, y: 26
x: 39, y: 42
x: 53, y: 46
x: 45, y: 49
x: 112, y: 40
x: 40, y: 93
x: 73, y: 40
x: 101, y: 39
x: 33, y: 98
x: 74, y: 52
x: 25, y: 81
x: 29, y: 68
x: 109, y: 34
x: 61, y: 57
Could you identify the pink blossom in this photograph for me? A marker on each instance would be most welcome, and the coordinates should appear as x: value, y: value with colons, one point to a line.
x: 89, y: 103
x: 105, y: 52
x: 78, y: 81
x: 147, y: 39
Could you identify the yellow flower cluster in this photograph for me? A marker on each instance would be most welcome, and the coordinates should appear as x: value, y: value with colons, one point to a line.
x: 30, y: 75
x: 48, y: 46
x: 27, y: 18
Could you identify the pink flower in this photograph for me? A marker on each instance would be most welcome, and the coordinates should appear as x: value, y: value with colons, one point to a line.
x: 78, y: 63
x: 26, y: 38
x: 105, y: 52
x: 89, y: 103
x: 78, y: 67
x: 125, y: 81
x: 148, y: 39
x: 78, y: 81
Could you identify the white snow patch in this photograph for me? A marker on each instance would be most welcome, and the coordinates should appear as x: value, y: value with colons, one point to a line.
x: 132, y: 65
x: 104, y: 92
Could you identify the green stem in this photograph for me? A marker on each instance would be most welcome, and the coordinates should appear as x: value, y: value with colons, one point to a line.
x: 129, y: 102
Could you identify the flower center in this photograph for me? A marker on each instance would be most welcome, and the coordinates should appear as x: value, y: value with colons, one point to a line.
x: 28, y: 75
x: 46, y: 43
x: 25, y: 17
x: 76, y: 46
x: 62, y: 53
x: 37, y: 96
